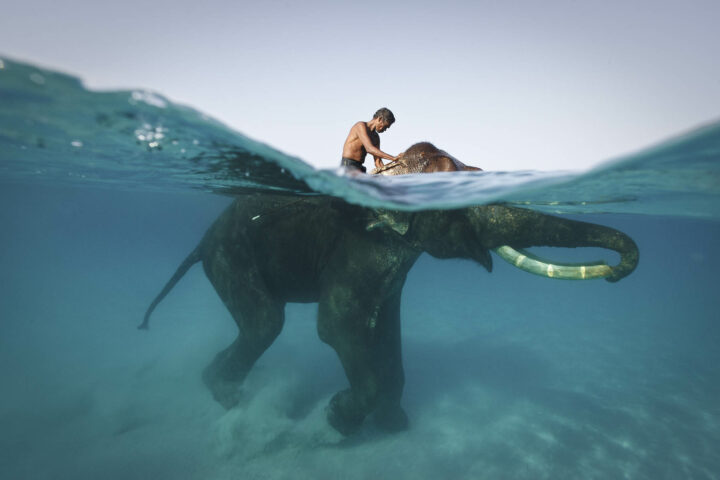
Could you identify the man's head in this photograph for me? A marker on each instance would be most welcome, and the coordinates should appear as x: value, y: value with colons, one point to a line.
x: 386, y: 118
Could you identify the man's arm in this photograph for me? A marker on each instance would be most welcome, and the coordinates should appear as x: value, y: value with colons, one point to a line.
x: 362, y: 134
x: 378, y: 160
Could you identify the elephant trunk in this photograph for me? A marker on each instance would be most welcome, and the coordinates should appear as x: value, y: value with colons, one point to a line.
x: 509, y: 229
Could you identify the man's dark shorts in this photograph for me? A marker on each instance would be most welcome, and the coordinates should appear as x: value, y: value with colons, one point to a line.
x: 352, y: 164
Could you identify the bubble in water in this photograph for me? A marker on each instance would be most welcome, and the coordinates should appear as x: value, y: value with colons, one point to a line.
x: 151, y: 135
x: 148, y: 98
x: 76, y: 143
x: 37, y: 78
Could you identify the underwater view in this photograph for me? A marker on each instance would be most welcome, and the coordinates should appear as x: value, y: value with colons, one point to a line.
x: 383, y: 332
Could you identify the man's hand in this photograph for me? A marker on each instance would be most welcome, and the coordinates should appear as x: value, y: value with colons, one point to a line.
x: 379, y: 164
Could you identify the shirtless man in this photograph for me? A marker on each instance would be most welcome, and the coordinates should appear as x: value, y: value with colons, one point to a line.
x: 363, y: 139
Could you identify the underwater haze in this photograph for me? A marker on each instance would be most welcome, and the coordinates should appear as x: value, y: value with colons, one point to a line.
x: 507, y: 375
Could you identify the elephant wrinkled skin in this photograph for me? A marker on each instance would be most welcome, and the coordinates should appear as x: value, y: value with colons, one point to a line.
x: 267, y: 250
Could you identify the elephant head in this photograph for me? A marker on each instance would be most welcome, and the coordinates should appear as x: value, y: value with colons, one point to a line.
x: 423, y: 157
x: 267, y: 250
x: 475, y: 231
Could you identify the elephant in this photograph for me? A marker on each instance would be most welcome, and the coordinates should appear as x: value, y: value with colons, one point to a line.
x: 423, y: 157
x: 266, y: 250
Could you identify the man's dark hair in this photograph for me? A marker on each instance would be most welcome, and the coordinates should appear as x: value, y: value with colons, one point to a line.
x: 385, y: 114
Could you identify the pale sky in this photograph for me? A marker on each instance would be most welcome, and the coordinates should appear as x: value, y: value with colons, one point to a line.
x: 502, y: 85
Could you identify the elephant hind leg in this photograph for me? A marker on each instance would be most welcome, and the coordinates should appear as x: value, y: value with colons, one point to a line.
x: 259, y: 318
x: 259, y: 327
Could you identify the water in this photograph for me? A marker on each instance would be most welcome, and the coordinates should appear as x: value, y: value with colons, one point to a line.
x: 508, y: 375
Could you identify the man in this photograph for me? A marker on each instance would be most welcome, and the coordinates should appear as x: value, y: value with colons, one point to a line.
x: 363, y: 139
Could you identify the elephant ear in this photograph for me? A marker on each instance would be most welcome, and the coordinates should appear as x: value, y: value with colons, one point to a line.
x: 399, y: 222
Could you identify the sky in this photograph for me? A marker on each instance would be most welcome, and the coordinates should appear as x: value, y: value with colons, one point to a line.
x: 524, y: 85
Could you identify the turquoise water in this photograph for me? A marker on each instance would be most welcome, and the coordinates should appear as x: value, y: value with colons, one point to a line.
x: 508, y: 375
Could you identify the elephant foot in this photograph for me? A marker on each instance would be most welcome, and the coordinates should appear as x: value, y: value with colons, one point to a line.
x: 391, y: 418
x: 226, y: 393
x: 344, y: 414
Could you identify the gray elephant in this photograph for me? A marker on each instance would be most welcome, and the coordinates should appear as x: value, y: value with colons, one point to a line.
x: 267, y: 250
x: 424, y: 157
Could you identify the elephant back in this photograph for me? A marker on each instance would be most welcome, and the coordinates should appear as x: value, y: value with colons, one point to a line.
x: 423, y: 157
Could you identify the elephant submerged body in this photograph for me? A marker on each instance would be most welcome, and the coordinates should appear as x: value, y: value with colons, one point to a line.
x: 265, y: 251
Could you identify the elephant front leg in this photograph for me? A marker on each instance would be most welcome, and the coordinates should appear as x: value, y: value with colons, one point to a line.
x: 366, y: 337
x: 388, y: 367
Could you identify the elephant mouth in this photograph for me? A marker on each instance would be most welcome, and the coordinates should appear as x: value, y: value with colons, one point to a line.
x: 563, y: 271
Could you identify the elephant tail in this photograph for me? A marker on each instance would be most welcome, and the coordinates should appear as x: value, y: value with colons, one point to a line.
x: 194, y: 257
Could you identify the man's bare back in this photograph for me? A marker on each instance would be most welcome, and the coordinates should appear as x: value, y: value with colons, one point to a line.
x: 363, y: 139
